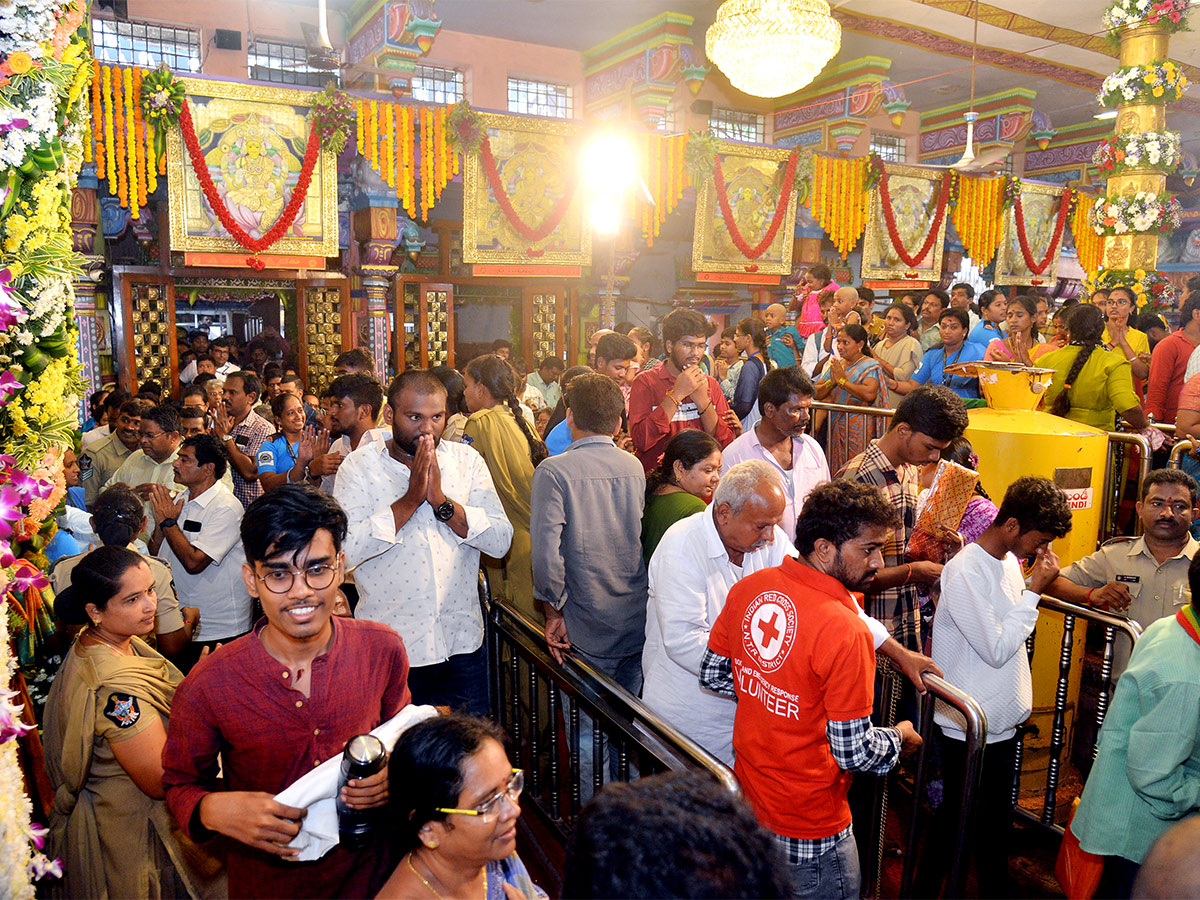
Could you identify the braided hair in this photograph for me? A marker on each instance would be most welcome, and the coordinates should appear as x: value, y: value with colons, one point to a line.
x: 500, y: 379
x: 1085, y: 324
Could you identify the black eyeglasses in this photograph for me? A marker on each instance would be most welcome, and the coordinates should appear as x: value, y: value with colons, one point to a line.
x: 280, y: 581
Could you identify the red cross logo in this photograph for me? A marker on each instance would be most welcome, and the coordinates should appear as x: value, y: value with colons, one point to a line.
x: 768, y: 630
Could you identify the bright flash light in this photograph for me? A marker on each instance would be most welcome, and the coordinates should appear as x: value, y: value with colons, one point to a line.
x: 609, y: 163
x: 605, y: 213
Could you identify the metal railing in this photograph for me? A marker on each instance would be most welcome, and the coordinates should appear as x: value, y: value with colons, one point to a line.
x: 1112, y: 625
x: 844, y: 407
x: 976, y: 731
x: 1182, y: 446
x: 1114, y: 480
x: 542, y: 705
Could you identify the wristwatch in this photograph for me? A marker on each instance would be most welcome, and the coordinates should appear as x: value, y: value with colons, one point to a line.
x: 168, y: 523
x: 444, y: 512
x: 228, y: 437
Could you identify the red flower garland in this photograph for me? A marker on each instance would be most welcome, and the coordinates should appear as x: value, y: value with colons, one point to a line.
x: 889, y: 218
x: 551, y: 222
x: 255, y: 245
x: 1019, y: 210
x: 785, y: 194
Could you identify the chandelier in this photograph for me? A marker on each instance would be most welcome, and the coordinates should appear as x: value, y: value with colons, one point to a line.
x: 770, y: 48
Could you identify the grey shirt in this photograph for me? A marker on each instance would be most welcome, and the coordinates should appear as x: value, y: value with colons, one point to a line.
x: 586, y: 533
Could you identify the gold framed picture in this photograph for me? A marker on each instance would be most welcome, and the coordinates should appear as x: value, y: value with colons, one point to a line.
x: 1039, y: 205
x: 534, y: 159
x: 754, y: 178
x: 914, y: 193
x: 253, y: 138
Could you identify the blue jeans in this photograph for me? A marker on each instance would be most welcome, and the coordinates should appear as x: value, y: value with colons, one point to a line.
x: 461, y: 683
x: 834, y: 875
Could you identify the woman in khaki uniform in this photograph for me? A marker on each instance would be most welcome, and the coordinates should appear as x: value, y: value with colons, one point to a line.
x: 497, y: 428
x: 105, y: 726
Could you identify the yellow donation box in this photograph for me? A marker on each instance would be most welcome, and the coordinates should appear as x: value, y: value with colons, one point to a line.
x: 1012, y: 438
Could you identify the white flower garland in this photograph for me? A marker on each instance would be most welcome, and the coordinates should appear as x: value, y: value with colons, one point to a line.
x: 1134, y: 13
x: 1140, y: 213
x: 15, y: 807
x: 1157, y: 149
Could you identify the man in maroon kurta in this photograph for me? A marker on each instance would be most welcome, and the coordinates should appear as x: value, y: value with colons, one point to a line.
x: 279, y: 701
x: 676, y: 394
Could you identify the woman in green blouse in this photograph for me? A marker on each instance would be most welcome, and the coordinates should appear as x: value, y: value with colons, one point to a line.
x: 1091, y: 385
x: 682, y: 484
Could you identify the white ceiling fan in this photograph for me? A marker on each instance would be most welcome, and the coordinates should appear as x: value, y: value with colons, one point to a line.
x: 969, y: 162
x: 320, y: 53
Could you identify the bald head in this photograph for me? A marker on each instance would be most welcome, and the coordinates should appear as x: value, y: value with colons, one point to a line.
x: 1172, y: 867
x: 775, y: 315
x: 597, y: 334
x: 845, y: 299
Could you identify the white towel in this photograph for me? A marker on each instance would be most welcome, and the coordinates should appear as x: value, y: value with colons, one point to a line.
x: 317, y: 791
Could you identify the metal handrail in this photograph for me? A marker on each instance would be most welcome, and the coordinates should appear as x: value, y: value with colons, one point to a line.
x: 845, y: 407
x: 1182, y: 446
x: 1112, y: 623
x: 620, y: 709
x: 976, y: 731
x: 1113, y: 483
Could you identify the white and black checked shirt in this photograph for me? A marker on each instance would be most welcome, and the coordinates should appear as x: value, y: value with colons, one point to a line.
x: 857, y: 746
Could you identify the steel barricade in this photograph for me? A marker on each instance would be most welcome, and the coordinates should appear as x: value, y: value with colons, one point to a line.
x: 1182, y: 446
x: 1112, y: 624
x: 541, y: 705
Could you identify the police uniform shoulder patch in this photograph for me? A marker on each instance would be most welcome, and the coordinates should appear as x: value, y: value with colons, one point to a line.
x: 266, y: 457
x: 122, y: 710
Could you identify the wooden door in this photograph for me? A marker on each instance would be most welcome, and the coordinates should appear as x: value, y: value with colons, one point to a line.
x: 436, y: 330
x: 144, y: 343
x: 323, y: 326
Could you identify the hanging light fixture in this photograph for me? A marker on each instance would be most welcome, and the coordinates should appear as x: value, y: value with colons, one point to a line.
x: 770, y: 48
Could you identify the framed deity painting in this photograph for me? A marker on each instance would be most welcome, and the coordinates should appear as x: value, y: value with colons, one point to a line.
x: 744, y: 212
x: 541, y: 216
x: 914, y: 195
x: 1040, y: 207
x: 253, y: 138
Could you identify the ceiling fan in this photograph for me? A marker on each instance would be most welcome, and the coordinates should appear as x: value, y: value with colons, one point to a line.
x: 969, y: 162
x: 321, y: 55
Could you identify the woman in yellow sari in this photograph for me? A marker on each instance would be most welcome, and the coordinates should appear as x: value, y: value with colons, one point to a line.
x: 498, y: 430
x: 105, y: 726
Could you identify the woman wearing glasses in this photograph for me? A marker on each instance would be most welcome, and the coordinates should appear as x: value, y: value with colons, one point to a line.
x: 454, y: 798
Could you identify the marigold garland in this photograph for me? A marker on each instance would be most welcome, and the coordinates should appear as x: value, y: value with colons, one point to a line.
x: 256, y: 246
x: 1064, y: 207
x: 781, y: 205
x: 130, y: 142
x: 978, y: 215
x: 109, y: 143
x: 1088, y: 244
x: 889, y: 216
x: 119, y: 134
x: 838, y: 200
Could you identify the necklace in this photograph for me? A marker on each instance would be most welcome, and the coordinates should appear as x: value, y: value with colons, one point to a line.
x: 102, y: 639
x: 421, y: 878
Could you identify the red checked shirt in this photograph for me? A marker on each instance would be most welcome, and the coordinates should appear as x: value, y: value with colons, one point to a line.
x: 648, y: 423
x: 239, y: 705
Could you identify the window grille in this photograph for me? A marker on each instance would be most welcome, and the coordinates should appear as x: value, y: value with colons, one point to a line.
x: 145, y: 45
x: 434, y: 84
x: 737, y: 125
x: 890, y: 147
x: 540, y: 98
x: 282, y: 63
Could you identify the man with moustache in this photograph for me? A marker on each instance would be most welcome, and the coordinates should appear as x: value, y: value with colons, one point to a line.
x: 354, y: 404
x: 100, y: 462
x: 676, y: 394
x: 791, y: 649
x: 784, y: 399
x: 243, y: 432
x: 422, y: 510
x: 264, y: 710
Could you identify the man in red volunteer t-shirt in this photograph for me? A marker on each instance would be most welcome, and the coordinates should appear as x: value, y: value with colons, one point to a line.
x: 789, y: 647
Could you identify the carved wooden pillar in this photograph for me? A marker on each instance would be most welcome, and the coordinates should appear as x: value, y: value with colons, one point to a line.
x: 85, y: 221
x: 375, y: 230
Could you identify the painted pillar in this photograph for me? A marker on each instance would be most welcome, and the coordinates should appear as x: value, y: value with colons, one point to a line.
x: 85, y: 221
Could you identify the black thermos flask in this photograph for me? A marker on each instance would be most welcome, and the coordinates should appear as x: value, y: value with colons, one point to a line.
x: 364, y: 756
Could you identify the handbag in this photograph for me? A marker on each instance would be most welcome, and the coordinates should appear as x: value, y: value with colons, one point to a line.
x: 1077, y: 870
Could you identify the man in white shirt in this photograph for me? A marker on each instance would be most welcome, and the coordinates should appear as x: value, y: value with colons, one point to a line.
x: 421, y: 511
x: 200, y: 538
x: 695, y: 564
x: 983, y: 618
x: 354, y: 403
x: 112, y: 409
x: 153, y: 462
x: 784, y: 399
x: 961, y: 297
x: 219, y: 351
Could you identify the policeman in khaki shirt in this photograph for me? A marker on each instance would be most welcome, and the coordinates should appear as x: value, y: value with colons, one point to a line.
x: 1144, y: 578
x: 100, y: 462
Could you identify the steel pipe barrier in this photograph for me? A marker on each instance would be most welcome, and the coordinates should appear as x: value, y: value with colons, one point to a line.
x: 1112, y: 625
x: 1114, y: 482
x: 1182, y: 446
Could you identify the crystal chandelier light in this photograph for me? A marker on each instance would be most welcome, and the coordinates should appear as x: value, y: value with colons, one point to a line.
x: 770, y: 48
